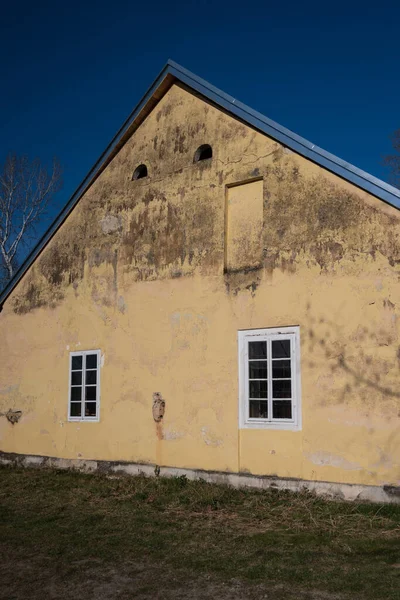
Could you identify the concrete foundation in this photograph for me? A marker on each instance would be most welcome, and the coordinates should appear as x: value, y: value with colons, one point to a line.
x: 338, y: 491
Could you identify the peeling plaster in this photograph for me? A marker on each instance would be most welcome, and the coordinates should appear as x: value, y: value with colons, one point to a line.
x: 210, y: 438
x: 111, y: 224
x: 171, y: 434
x: 327, y: 459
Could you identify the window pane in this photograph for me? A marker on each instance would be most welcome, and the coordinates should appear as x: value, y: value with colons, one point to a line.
x: 90, y: 409
x: 281, y: 349
x: 258, y: 409
x: 76, y: 363
x: 282, y: 409
x: 257, y: 349
x: 91, y: 361
x: 76, y: 393
x: 76, y: 378
x: 258, y: 369
x: 90, y: 393
x: 91, y: 376
x: 258, y: 389
x: 75, y: 409
x: 281, y: 369
x: 281, y: 388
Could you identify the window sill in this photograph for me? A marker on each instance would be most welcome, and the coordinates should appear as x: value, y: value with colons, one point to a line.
x: 281, y: 426
x: 86, y: 420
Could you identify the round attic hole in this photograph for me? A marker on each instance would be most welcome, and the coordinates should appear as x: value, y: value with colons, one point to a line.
x: 139, y: 172
x: 202, y: 153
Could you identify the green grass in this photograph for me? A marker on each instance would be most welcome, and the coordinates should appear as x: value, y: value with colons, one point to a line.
x: 60, y: 529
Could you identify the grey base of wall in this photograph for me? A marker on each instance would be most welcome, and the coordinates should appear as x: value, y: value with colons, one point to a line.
x: 338, y: 491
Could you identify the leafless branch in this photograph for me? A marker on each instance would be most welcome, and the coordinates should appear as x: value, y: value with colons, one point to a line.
x: 26, y: 188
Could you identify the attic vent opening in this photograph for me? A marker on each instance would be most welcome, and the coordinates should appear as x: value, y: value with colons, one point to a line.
x: 139, y: 172
x: 202, y: 153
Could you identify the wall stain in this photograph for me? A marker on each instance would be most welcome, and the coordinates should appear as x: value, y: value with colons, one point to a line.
x: 180, y: 138
x: 316, y: 220
x: 243, y: 280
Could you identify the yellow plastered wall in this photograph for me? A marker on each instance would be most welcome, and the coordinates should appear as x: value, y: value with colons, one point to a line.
x: 138, y: 270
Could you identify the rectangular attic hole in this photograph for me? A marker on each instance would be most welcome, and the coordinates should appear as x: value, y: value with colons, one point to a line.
x: 243, y: 225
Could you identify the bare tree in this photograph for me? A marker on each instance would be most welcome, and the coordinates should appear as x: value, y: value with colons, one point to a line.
x: 393, y: 160
x: 26, y: 188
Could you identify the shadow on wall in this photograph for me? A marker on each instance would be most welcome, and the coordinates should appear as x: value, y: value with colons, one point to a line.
x: 360, y: 365
x: 359, y: 368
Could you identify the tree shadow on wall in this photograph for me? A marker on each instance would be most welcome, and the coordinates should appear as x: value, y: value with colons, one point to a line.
x: 366, y: 357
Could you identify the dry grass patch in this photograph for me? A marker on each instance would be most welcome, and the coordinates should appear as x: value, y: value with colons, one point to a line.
x: 61, y: 532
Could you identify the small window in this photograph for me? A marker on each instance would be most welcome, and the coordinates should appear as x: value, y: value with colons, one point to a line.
x: 270, y: 378
x: 84, y: 386
x: 202, y: 153
x: 139, y: 172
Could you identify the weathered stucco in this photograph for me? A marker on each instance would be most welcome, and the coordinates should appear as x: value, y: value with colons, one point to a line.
x: 139, y: 270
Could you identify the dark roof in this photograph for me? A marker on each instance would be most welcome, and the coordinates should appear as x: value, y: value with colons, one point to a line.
x: 173, y: 72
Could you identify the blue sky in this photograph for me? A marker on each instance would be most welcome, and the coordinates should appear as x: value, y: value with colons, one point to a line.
x: 72, y: 72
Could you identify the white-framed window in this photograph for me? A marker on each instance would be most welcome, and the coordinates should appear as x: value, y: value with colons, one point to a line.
x: 269, y: 378
x: 84, y: 386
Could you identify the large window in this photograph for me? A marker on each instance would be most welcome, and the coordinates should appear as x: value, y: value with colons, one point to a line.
x: 269, y: 378
x: 84, y: 386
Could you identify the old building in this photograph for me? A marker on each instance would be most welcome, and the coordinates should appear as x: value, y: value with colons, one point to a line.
x: 221, y: 296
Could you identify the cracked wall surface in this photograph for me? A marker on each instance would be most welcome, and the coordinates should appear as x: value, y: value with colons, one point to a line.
x: 139, y: 270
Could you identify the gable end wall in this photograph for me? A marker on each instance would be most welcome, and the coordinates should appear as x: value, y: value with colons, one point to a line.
x: 139, y: 270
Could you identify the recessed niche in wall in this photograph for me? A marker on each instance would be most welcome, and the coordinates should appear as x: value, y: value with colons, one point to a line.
x: 243, y: 225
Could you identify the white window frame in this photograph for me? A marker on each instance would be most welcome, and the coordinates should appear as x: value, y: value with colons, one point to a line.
x: 84, y: 353
x: 272, y: 333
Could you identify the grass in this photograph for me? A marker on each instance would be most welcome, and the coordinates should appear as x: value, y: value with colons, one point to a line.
x: 64, y: 534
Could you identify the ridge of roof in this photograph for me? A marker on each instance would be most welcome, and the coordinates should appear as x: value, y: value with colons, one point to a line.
x: 171, y: 72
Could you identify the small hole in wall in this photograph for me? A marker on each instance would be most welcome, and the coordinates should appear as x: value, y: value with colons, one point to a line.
x: 202, y: 153
x: 139, y: 172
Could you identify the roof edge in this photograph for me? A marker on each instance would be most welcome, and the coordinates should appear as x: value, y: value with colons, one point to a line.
x: 343, y: 169
x: 289, y: 138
